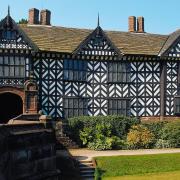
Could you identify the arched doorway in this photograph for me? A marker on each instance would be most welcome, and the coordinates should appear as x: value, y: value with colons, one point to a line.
x: 11, y: 105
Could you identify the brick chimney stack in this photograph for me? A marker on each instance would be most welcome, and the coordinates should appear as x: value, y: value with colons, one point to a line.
x: 45, y: 18
x: 33, y: 16
x: 132, y: 24
x: 140, y: 24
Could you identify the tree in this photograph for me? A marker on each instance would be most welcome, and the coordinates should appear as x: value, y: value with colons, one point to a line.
x: 23, y: 21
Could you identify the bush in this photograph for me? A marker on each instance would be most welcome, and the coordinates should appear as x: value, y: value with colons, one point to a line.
x: 163, y: 144
x: 118, y: 143
x: 119, y: 126
x: 155, y: 127
x: 140, y: 136
x: 100, y: 137
x: 171, y: 133
x: 104, y: 143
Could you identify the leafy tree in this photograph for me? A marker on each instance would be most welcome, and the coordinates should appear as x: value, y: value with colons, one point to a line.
x: 23, y: 21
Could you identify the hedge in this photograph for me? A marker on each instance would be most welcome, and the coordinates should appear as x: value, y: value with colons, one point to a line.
x: 120, y: 125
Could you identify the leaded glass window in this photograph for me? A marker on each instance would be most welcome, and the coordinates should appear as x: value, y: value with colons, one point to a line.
x: 9, y: 34
x: 75, y: 107
x: 177, y: 105
x: 11, y: 66
x: 75, y: 70
x: 118, y: 72
x: 119, y: 107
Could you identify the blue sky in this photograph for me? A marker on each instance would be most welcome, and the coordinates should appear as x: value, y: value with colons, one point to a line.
x: 161, y: 16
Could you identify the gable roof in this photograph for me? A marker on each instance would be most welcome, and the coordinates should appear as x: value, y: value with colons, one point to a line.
x: 67, y: 40
x: 101, y: 40
x: 9, y: 24
x: 172, y: 38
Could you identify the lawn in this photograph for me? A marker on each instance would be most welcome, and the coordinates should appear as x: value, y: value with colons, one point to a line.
x: 139, y: 166
x: 173, y: 175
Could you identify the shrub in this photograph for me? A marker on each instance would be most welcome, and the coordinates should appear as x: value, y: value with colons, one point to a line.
x: 155, y: 127
x: 118, y: 143
x: 171, y: 133
x: 105, y: 143
x: 163, y: 144
x: 119, y: 126
x: 100, y: 137
x: 140, y: 136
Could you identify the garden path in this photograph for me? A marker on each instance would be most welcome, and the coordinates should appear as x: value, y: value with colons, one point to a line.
x: 86, y: 154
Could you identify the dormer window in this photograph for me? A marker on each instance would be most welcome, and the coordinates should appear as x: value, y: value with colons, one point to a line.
x: 9, y: 35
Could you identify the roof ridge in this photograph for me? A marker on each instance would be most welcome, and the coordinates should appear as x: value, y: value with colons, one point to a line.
x: 91, y: 29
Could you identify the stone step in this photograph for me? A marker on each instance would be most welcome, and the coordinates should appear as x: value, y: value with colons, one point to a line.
x: 86, y: 167
x: 66, y: 142
x: 87, y: 171
x: 87, y: 175
x: 85, y: 161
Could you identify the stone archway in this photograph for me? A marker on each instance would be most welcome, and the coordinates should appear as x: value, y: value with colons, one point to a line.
x: 11, y: 105
x: 27, y: 97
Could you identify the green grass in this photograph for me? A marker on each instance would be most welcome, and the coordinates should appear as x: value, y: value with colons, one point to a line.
x: 115, y: 166
x: 174, y: 175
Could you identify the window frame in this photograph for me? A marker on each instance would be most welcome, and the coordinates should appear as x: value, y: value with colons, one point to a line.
x: 127, y: 109
x: 175, y: 105
x: 120, y: 68
x: 15, y: 64
x: 74, y: 107
x: 9, y: 34
x: 76, y: 70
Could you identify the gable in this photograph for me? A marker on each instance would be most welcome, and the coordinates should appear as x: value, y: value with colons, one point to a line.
x: 12, y: 37
x: 174, y: 50
x: 97, y: 43
x: 172, y: 45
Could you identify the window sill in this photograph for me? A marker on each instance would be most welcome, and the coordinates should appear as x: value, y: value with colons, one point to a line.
x: 83, y: 81
x: 117, y: 82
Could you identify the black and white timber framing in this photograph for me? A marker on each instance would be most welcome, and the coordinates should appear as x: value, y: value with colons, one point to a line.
x: 95, y: 79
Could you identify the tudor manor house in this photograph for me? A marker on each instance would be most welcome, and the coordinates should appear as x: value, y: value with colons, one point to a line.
x: 67, y: 72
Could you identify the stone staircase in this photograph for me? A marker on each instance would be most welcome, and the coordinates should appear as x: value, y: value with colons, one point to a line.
x: 87, y: 169
x: 65, y: 142
x: 62, y: 139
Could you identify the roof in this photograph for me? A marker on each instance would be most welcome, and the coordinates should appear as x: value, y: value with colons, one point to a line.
x: 170, y: 40
x: 66, y: 40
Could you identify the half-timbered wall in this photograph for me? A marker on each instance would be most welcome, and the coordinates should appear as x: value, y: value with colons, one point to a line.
x: 49, y: 76
x: 13, y: 69
x: 15, y: 54
x: 143, y: 89
x: 171, y: 86
x: 97, y: 88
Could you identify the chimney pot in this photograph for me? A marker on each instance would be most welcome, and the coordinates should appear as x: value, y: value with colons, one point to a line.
x: 45, y: 18
x: 132, y: 24
x: 33, y: 16
x: 140, y: 24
